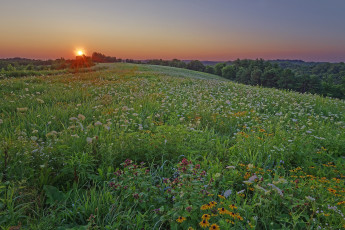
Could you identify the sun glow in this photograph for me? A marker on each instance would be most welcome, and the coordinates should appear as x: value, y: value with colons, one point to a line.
x: 80, y: 53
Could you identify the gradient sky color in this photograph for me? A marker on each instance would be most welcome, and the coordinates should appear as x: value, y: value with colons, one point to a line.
x: 311, y: 30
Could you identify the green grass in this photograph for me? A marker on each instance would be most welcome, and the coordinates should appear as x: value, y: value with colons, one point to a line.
x: 62, y: 137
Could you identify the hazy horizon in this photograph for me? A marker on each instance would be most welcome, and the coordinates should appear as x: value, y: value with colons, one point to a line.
x: 220, y: 30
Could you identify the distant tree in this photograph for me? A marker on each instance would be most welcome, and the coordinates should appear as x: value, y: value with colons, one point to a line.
x: 270, y: 77
x: 209, y: 69
x: 218, y: 68
x: 196, y: 65
x: 101, y: 58
x: 229, y: 72
x: 255, y: 76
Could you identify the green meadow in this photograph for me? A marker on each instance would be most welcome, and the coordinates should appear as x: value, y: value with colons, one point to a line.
x: 152, y: 147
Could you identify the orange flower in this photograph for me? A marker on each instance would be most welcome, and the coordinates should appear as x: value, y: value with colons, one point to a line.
x: 232, y: 206
x: 222, y: 211
x: 214, y: 227
x: 204, y: 224
x: 180, y: 219
x: 206, y: 217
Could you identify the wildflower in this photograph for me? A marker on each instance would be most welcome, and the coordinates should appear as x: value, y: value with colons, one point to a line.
x: 310, y: 198
x: 98, y: 123
x: 221, y: 197
x: 277, y: 189
x: 341, y: 202
x: 40, y: 101
x: 206, y: 217
x: 205, y: 207
x: 227, y: 193
x: 51, y: 134
x: 214, y: 227
x: 232, y: 214
x: 229, y: 221
x: 204, y: 224
x: 332, y: 190
x: 180, y: 219
x: 222, y: 211
x: 81, y: 117
x: 232, y: 206
x: 238, y: 216
x: 190, y: 228
x: 189, y: 209
x: 230, y: 167
x: 22, y: 109
x: 212, y: 204
x: 89, y: 140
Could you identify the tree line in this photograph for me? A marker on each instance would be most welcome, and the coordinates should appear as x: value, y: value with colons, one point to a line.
x: 327, y: 79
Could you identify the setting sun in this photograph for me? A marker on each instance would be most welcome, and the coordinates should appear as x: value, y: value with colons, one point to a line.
x: 80, y: 53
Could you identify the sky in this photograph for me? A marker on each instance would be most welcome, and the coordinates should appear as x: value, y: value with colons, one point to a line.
x: 218, y: 30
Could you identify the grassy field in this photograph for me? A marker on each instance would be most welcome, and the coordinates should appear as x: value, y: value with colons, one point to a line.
x: 153, y: 147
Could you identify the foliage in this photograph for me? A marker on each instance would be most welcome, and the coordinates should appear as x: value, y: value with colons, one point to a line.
x: 275, y: 155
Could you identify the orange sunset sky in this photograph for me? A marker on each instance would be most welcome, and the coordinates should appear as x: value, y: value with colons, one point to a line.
x: 196, y: 29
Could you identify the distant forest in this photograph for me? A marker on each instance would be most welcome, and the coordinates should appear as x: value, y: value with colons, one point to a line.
x: 327, y: 79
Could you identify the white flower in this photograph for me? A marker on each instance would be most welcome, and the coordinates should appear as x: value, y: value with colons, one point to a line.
x: 81, y: 117
x: 227, y: 193
x: 230, y: 167
x: 22, y: 109
x: 40, y: 101
x: 1, y: 121
x: 51, y: 134
x: 89, y: 140
x: 34, y: 138
x: 310, y: 198
x: 277, y: 189
x: 98, y: 123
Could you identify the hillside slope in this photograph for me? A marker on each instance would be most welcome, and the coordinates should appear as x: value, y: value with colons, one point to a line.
x: 64, y: 136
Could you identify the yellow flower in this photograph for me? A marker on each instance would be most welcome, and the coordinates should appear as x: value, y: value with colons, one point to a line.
x: 231, y: 214
x: 232, y: 206
x: 237, y: 215
x: 222, y: 211
x: 205, y: 207
x: 341, y: 202
x: 206, y: 217
x: 214, y: 227
x: 180, y: 219
x: 212, y: 204
x: 204, y: 224
x: 221, y: 197
x: 190, y: 228
x: 229, y: 221
x: 332, y: 190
